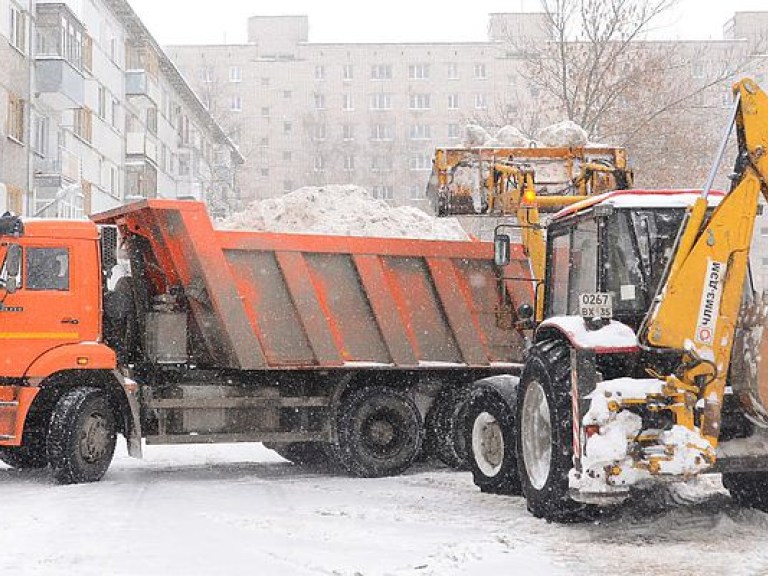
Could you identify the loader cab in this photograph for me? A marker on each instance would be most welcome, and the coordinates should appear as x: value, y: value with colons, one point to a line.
x: 619, y: 246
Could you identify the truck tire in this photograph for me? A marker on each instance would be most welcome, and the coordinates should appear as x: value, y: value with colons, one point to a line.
x: 302, y: 453
x: 28, y: 457
x: 490, y: 437
x: 379, y: 432
x: 748, y: 489
x: 446, y: 427
x: 81, y: 436
x: 544, y: 433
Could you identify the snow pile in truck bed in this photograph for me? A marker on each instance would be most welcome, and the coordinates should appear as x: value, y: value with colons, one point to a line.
x: 561, y: 134
x: 342, y: 211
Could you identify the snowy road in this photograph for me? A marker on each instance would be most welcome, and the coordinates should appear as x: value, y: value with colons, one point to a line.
x: 244, y: 510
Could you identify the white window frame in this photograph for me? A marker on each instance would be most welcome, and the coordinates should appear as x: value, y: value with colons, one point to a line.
x: 318, y: 163
x: 481, y: 71
x: 381, y: 132
x: 418, y: 71
x: 347, y: 72
x: 481, y: 101
x: 453, y: 71
x: 347, y: 102
x: 419, y: 132
x: 320, y: 72
x: 454, y: 131
x: 419, y: 102
x: 319, y: 100
x: 320, y: 132
x: 453, y: 101
x: 236, y: 103
x: 381, y: 101
x: 235, y: 74
x: 347, y: 132
x: 19, y: 29
x: 381, y: 72
x: 349, y: 163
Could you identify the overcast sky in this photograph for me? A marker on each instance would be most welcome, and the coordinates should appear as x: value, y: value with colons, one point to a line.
x: 220, y: 21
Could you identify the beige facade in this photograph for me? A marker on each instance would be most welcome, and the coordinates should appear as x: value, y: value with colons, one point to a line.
x: 95, y: 114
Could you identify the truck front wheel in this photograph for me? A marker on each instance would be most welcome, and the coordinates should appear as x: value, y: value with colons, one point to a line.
x: 81, y: 436
x: 544, y: 433
x: 490, y: 437
x: 379, y: 432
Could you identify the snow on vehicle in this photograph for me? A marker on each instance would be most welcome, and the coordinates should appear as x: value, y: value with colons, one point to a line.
x: 646, y: 366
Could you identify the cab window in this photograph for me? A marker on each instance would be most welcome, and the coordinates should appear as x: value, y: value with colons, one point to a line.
x: 47, y: 269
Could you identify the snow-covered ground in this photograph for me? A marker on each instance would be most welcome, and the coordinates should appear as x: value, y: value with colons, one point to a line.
x: 241, y: 509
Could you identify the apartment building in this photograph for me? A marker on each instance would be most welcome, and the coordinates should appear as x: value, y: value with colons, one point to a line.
x: 104, y: 116
x: 371, y: 114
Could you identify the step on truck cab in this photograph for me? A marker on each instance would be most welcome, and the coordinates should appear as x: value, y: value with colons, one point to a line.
x: 327, y: 348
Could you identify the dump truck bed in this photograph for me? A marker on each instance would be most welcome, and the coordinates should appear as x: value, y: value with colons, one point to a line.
x: 263, y: 301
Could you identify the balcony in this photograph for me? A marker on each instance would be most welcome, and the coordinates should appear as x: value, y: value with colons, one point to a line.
x: 60, y: 84
x: 140, y: 84
x: 141, y: 144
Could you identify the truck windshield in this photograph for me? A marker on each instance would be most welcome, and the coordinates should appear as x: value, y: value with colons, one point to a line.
x: 639, y: 245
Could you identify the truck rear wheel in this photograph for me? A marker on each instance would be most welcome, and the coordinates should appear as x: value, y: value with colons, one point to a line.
x: 490, y: 436
x: 544, y: 433
x: 748, y: 489
x: 81, y: 436
x: 379, y: 432
x: 446, y: 427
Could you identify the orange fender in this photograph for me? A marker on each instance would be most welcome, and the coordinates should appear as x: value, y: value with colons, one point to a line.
x: 91, y: 356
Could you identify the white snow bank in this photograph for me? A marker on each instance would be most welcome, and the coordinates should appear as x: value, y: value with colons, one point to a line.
x: 565, y: 133
x: 341, y: 211
x: 512, y: 137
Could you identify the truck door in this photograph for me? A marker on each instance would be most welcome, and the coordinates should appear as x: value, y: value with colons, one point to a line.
x: 49, y: 307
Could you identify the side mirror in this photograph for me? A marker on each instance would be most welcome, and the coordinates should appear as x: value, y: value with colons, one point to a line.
x: 525, y: 312
x: 502, y: 247
x: 12, y: 267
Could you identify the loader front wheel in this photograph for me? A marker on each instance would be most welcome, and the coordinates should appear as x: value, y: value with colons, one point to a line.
x: 490, y: 436
x: 379, y: 432
x: 544, y: 433
x: 81, y: 436
x: 748, y: 489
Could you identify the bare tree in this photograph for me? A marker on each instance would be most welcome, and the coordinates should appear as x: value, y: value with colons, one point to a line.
x: 662, y: 100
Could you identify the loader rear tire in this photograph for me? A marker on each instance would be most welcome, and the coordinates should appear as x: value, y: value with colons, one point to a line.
x: 544, y: 434
x: 491, y: 439
x: 748, y: 489
x: 81, y: 436
x: 379, y: 432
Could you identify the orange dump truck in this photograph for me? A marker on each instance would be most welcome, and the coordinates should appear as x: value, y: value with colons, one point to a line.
x: 324, y: 347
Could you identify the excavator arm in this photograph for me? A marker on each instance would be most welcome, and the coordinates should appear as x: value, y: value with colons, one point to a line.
x: 697, y: 308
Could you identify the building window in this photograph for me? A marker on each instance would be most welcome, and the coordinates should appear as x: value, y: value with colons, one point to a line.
x: 320, y: 132
x: 349, y: 163
x: 416, y: 192
x: 348, y: 102
x: 419, y: 162
x: 287, y: 156
x: 383, y: 192
x: 319, y: 101
x: 287, y: 127
x: 381, y: 132
x: 381, y: 101
x: 418, y: 71
x: 264, y: 142
x: 115, y: 113
x: 454, y: 131
x: 287, y: 185
x: 453, y: 71
x: 699, y: 71
x: 453, y: 101
x: 83, y: 126
x: 102, y: 109
x: 318, y: 164
x: 381, y: 72
x: 480, y: 72
x: 236, y: 104
x: 15, y: 127
x: 40, y: 126
x: 347, y: 72
x: 264, y: 82
x: 265, y: 111
x: 265, y: 171
x: 46, y: 269
x: 207, y: 74
x: 419, y: 102
x: 419, y: 132
x: 481, y: 103
x: 18, y: 37
x: 320, y: 72
x: 87, y: 53
x: 235, y: 74
x: 287, y: 94
x: 348, y: 132
x: 151, y: 120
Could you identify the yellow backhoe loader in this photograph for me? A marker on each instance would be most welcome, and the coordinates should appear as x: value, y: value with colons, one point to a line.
x: 645, y: 368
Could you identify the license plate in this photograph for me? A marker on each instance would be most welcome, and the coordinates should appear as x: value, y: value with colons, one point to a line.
x: 596, y: 305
